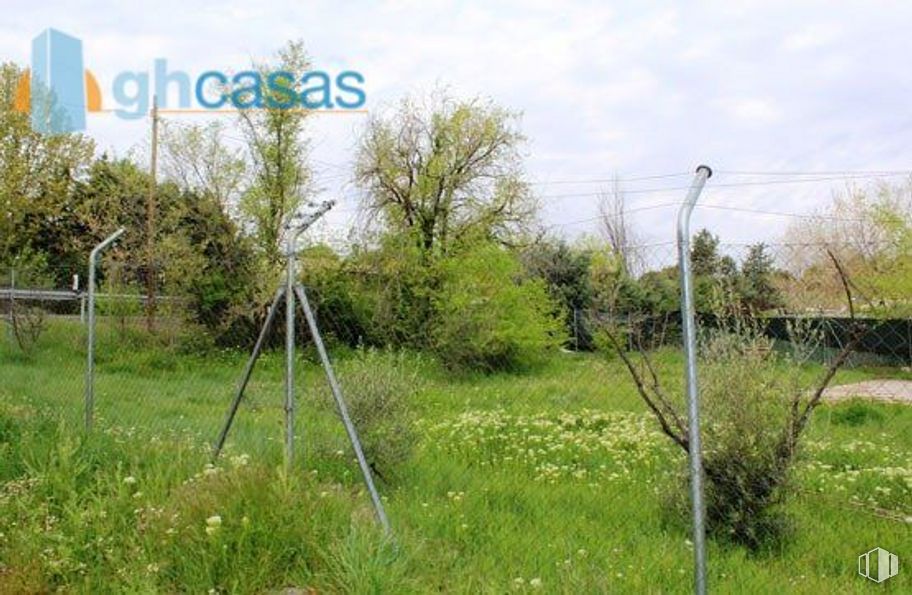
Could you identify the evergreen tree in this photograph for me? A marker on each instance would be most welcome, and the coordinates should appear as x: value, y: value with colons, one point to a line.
x: 760, y: 293
x: 704, y: 253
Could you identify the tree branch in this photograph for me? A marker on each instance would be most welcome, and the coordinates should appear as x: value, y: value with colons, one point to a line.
x: 679, y: 439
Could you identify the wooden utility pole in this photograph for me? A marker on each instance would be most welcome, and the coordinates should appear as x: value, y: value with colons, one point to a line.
x: 151, y: 212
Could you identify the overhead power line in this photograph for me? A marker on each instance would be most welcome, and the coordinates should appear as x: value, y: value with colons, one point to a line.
x: 777, y: 213
x: 874, y: 172
x: 755, y: 183
x: 794, y: 177
x: 610, y: 180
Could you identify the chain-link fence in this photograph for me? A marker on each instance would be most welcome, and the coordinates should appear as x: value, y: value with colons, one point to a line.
x: 155, y: 365
x: 161, y: 372
x: 780, y: 288
x: 167, y: 374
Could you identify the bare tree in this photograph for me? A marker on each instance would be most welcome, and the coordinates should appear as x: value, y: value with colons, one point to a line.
x: 865, y: 228
x: 617, y: 229
x: 195, y: 158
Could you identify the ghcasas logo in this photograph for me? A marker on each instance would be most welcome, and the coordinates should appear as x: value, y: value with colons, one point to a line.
x: 58, y: 92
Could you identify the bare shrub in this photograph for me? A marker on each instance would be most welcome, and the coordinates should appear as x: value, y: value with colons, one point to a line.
x: 28, y: 323
x: 756, y: 407
x: 25, y: 316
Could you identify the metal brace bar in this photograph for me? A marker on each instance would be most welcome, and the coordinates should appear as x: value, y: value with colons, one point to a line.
x: 343, y: 409
x: 248, y: 370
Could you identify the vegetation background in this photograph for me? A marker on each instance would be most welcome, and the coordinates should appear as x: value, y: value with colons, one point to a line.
x: 483, y: 355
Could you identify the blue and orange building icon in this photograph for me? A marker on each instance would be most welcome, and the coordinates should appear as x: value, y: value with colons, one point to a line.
x: 57, y: 91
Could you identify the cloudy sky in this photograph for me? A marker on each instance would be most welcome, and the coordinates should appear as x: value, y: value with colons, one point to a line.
x: 632, y: 89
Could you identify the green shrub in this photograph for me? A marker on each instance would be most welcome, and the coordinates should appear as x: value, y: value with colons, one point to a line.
x: 488, y: 318
x: 566, y: 273
x: 380, y: 389
x: 395, y: 285
x: 756, y: 405
x: 747, y: 389
x: 377, y: 297
x: 856, y: 413
x: 336, y: 297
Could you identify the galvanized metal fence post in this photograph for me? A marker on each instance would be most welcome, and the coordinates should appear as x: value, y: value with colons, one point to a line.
x: 294, y: 229
x: 289, y: 347
x: 688, y: 319
x: 90, y: 363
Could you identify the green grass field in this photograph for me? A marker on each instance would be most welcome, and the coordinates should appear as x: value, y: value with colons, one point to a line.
x: 549, y: 481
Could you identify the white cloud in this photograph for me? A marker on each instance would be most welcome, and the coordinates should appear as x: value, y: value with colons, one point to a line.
x: 626, y: 87
x: 751, y: 110
x: 812, y: 37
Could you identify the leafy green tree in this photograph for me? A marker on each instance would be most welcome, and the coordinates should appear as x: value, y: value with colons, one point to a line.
x: 440, y: 178
x: 704, y: 254
x: 209, y: 260
x: 606, y: 271
x: 488, y: 317
x: 37, y: 174
x: 892, y: 275
x: 339, y: 295
x: 280, y: 175
x: 445, y: 172
x: 868, y: 230
x: 201, y: 253
x: 662, y: 291
x: 727, y: 269
x: 716, y: 277
x: 195, y: 158
x: 565, y: 271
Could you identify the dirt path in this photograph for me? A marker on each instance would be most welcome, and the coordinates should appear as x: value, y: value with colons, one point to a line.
x: 881, y: 390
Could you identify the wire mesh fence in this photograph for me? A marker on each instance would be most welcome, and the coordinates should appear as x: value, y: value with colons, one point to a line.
x: 167, y: 375
x: 799, y: 311
x: 776, y: 286
x: 161, y: 374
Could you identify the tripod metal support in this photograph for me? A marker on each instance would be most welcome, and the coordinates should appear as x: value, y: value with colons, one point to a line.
x: 343, y: 409
x: 248, y: 370
x: 290, y: 291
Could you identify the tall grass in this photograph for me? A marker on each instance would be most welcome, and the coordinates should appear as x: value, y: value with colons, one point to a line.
x: 544, y: 482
